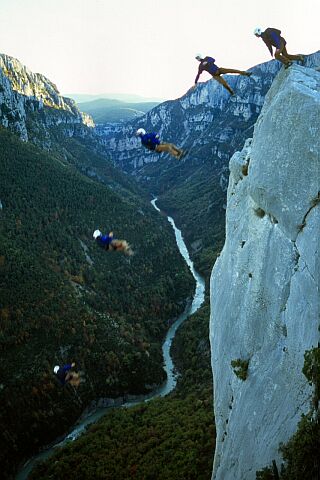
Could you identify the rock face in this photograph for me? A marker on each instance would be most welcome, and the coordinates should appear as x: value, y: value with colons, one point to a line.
x: 265, y: 285
x: 25, y: 95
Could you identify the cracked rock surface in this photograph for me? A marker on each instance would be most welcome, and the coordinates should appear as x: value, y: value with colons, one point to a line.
x: 24, y: 94
x: 265, y: 285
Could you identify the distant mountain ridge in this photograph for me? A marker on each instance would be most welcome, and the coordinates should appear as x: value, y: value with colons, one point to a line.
x: 106, y: 110
x: 124, y: 97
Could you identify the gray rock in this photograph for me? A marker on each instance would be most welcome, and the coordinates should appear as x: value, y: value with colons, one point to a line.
x: 265, y: 285
x: 24, y: 94
x: 293, y: 109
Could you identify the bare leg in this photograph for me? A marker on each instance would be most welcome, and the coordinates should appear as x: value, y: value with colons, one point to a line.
x: 282, y: 55
x: 121, y: 246
x: 291, y: 57
x: 232, y: 70
x: 169, y: 148
x: 73, y: 378
x: 75, y: 381
x: 282, y: 58
x: 224, y: 83
x: 179, y: 151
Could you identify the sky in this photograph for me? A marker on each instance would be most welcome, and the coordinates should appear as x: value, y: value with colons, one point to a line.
x: 147, y: 47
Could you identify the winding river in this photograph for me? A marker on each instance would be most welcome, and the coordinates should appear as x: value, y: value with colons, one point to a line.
x: 163, y: 390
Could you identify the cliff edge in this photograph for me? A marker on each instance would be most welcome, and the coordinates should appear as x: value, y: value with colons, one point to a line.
x: 265, y: 285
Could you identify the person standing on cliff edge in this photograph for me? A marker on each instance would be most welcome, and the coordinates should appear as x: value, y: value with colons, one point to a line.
x: 208, y: 64
x: 272, y: 38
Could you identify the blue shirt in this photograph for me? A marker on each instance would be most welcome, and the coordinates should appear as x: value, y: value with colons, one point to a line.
x: 272, y: 38
x: 208, y: 65
x: 150, y: 140
x: 62, y: 373
x: 104, y: 240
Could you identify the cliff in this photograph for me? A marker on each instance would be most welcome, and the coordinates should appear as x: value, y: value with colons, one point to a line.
x: 265, y: 285
x: 29, y: 101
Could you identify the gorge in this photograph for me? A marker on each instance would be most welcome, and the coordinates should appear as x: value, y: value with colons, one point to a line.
x: 63, y: 177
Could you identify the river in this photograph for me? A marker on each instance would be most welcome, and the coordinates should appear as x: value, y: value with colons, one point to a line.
x: 163, y: 390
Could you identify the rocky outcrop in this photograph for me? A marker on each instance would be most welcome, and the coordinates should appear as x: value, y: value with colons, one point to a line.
x: 29, y: 102
x: 265, y: 307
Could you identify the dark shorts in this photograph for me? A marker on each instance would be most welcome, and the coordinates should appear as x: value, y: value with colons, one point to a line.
x: 281, y: 44
x: 214, y: 69
x: 151, y: 147
x: 217, y: 73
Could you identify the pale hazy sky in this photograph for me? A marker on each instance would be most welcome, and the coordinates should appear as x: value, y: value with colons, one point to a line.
x: 147, y: 47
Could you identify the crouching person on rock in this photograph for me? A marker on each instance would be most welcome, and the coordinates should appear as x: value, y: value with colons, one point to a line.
x: 272, y: 38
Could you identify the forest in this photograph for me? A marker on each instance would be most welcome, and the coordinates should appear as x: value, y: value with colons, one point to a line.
x: 64, y: 299
x: 169, y: 438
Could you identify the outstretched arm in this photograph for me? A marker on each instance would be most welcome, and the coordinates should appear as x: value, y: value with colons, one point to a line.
x: 269, y: 46
x: 199, y: 73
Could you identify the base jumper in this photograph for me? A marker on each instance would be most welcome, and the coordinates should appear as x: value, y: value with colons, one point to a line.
x: 208, y: 64
x: 108, y: 242
x: 152, y: 142
x: 272, y: 38
x: 66, y: 375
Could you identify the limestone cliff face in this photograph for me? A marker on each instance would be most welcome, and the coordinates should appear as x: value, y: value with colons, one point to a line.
x: 265, y: 285
x: 30, y: 98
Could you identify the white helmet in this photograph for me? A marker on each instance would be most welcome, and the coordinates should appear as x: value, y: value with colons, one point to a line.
x: 56, y: 369
x: 199, y: 56
x: 96, y: 234
x: 257, y: 31
x: 140, y: 131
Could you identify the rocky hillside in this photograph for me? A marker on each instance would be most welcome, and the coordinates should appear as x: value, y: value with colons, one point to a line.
x: 23, y: 93
x: 265, y: 285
